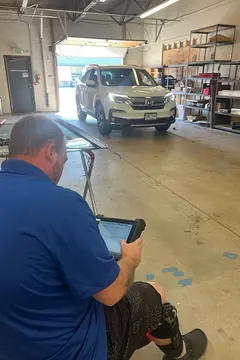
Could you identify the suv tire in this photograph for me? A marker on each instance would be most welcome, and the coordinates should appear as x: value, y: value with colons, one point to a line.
x: 103, y: 126
x: 82, y: 115
x: 162, y: 128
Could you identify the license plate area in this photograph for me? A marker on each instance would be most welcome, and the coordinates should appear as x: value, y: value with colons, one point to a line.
x: 150, y: 116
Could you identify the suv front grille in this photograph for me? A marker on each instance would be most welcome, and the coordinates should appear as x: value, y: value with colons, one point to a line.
x: 147, y: 103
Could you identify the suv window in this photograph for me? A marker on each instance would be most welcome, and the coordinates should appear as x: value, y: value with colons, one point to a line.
x: 118, y: 77
x: 85, y: 77
x: 126, y: 77
x: 94, y: 76
x: 144, y: 78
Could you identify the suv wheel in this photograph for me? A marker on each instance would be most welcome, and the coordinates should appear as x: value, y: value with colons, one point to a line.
x: 162, y: 128
x: 81, y: 114
x: 103, y: 126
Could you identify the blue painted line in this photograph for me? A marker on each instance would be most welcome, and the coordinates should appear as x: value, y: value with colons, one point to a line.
x: 230, y: 255
x: 170, y: 270
x: 185, y: 282
x: 178, y: 274
x: 150, y: 277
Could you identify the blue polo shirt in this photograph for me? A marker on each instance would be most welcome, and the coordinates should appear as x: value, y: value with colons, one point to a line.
x: 52, y: 261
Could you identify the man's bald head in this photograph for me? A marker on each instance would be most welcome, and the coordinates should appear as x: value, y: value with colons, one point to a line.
x: 31, y: 133
x: 38, y: 140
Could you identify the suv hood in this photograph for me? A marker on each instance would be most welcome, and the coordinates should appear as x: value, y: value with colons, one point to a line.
x: 138, y: 91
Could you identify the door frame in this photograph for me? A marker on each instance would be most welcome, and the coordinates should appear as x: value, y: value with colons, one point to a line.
x: 28, y: 58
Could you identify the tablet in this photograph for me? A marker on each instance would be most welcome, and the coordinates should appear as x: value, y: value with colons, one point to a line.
x: 114, y: 230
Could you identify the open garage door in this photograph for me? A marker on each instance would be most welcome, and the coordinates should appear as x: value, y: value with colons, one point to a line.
x: 74, y: 53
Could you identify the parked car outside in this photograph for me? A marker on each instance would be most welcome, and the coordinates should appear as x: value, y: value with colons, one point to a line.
x: 124, y: 96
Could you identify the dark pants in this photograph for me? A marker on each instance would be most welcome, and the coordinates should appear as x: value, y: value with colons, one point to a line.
x: 140, y: 311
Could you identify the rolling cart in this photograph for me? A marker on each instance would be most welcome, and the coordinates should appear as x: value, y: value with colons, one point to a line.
x: 80, y: 141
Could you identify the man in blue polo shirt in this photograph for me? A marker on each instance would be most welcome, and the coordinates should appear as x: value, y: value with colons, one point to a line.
x: 62, y: 295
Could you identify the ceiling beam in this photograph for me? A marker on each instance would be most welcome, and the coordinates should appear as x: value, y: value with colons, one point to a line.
x: 159, y: 31
x: 87, y: 9
x: 125, y: 11
x: 114, y: 7
x: 76, y: 5
x: 71, y: 17
x: 31, y: 11
x: 148, y: 4
x: 133, y: 17
x: 141, y: 7
x: 118, y: 22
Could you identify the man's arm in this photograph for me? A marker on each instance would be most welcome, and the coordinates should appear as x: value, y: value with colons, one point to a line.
x: 82, y: 255
x: 131, y: 257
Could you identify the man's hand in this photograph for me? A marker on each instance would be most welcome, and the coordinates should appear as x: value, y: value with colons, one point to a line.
x: 131, y: 257
x: 132, y: 252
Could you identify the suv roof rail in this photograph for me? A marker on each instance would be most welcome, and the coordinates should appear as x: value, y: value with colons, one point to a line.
x: 93, y: 65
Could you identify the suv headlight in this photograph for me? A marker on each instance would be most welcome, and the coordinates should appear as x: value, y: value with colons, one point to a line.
x: 118, y: 98
x: 169, y: 98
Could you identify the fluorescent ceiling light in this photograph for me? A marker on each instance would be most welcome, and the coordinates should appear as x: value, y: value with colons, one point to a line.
x: 157, y: 8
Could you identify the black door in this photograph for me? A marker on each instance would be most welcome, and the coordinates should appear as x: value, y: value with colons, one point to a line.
x: 20, y: 84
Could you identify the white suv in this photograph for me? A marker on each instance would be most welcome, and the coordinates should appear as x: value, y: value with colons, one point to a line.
x: 124, y: 96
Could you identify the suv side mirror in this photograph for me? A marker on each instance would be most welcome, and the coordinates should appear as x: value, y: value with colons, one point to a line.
x: 91, y: 83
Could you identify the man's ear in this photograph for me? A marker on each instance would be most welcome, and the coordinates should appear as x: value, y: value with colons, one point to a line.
x: 50, y: 153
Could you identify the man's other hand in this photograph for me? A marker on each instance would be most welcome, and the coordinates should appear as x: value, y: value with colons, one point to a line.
x: 132, y: 252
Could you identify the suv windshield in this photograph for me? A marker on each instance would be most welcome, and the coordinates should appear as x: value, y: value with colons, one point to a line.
x: 126, y: 77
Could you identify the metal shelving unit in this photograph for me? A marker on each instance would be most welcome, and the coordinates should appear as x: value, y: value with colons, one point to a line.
x: 223, y: 118
x: 179, y: 77
x: 179, y: 71
x: 203, y: 73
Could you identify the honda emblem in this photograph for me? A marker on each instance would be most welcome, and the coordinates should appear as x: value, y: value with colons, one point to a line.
x: 148, y: 102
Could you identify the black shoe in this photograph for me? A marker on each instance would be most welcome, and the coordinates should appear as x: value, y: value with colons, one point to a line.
x: 196, y: 345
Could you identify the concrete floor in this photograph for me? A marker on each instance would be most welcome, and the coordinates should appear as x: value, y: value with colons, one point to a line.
x: 185, y: 184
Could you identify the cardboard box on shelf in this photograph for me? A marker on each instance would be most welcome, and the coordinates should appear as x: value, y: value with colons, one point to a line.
x: 220, y: 38
x: 177, y: 88
x: 219, y: 106
x: 235, y: 111
x: 235, y: 93
x: 191, y: 118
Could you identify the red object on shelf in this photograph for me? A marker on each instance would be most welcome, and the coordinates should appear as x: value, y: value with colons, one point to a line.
x: 207, y: 91
x: 208, y: 75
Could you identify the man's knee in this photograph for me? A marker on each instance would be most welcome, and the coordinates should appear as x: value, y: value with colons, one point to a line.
x: 160, y: 290
x: 142, y: 287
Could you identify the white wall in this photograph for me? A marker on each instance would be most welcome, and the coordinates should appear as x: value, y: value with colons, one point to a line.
x: 208, y: 12
x: 15, y: 34
x: 135, y: 32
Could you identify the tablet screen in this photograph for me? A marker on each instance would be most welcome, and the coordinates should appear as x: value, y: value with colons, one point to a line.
x: 112, y: 233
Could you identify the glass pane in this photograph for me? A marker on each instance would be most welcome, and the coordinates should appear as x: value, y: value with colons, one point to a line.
x: 118, y: 77
x: 73, y: 141
x: 5, y: 131
x: 144, y: 78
